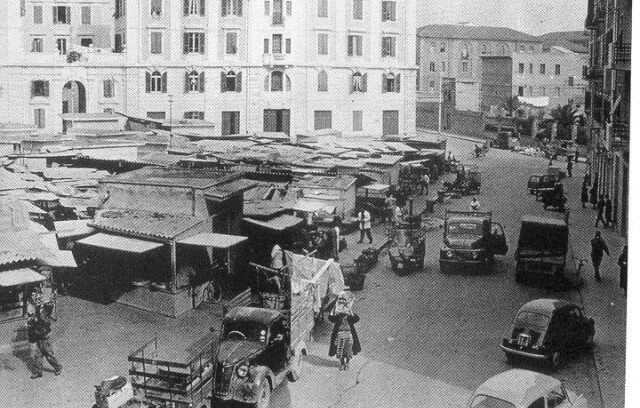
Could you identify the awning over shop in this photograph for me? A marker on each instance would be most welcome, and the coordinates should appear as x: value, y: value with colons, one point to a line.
x: 62, y: 259
x: 17, y: 277
x: 209, y: 239
x: 376, y: 187
x: 280, y: 223
x: 314, y: 206
x: 119, y: 243
x: 72, y: 228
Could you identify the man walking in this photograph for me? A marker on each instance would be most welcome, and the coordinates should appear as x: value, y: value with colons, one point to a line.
x: 364, y: 221
x: 584, y: 195
x: 598, y: 248
x: 600, y: 216
x: 424, y: 186
x: 622, y: 263
x: 38, y: 330
x: 608, y: 211
x: 569, y: 167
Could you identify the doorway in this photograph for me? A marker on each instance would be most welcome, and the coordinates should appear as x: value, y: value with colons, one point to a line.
x: 74, y: 98
x: 390, y: 122
x: 276, y: 120
x: 230, y: 123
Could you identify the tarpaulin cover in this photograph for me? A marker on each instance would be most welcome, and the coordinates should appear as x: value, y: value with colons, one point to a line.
x: 325, y: 276
x: 18, y: 277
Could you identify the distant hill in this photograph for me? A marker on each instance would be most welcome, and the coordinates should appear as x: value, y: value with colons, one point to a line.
x: 575, y: 41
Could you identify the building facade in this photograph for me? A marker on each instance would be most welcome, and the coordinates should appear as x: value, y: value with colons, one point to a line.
x: 246, y: 66
x: 608, y: 100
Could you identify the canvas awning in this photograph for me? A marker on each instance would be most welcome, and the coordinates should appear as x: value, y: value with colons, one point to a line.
x: 72, y: 228
x: 210, y: 239
x: 119, y: 243
x: 376, y: 187
x: 280, y: 223
x: 314, y: 206
x: 62, y: 259
x: 17, y: 277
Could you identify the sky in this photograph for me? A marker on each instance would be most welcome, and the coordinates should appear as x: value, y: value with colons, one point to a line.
x: 530, y: 16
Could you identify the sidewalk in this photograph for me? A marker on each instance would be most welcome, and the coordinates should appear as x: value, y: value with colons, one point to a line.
x: 604, y: 301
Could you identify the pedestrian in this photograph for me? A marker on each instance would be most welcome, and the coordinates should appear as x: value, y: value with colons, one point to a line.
x: 474, y: 205
x: 587, y: 178
x: 598, y: 248
x: 38, y: 332
x: 397, y: 215
x: 277, y: 257
x: 608, y: 211
x: 334, y: 237
x: 622, y: 263
x: 424, y: 185
x: 569, y: 167
x: 600, y: 216
x: 344, y: 342
x: 594, y: 192
x: 364, y: 221
x: 584, y: 195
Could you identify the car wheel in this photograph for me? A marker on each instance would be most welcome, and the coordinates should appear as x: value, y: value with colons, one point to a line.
x: 554, y: 360
x: 296, y: 369
x: 264, y: 395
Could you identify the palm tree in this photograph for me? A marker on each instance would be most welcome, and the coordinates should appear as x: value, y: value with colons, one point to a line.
x: 563, y: 116
x: 511, y: 105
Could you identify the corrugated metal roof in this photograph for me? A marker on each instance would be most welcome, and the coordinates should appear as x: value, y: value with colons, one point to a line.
x: 118, y: 243
x: 17, y: 277
x: 13, y: 215
x: 280, y: 223
x: 339, y: 182
x: 173, y: 176
x: 451, y: 31
x: 211, y: 239
x: 19, y: 246
x: 149, y: 224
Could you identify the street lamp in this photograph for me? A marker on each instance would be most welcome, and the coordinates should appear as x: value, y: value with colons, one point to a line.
x: 170, y: 119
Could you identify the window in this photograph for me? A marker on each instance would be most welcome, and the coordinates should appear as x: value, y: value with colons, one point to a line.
x: 388, y: 46
x: 276, y: 44
x: 558, y: 91
x: 465, y: 66
x: 37, y: 44
x: 323, y: 8
x: 354, y: 45
x: 61, y: 15
x: 464, y: 54
x: 432, y: 86
x: 571, y: 81
x: 194, y: 7
x: 267, y: 8
x: 323, y: 44
x: 230, y: 81
x: 156, y: 42
x: 543, y: 69
x: 194, y: 42
x: 388, y: 11
x: 86, y: 41
x: 119, y: 43
x: 85, y: 15
x: 194, y: 115
x: 557, y: 69
x: 108, y: 90
x: 157, y: 115
x: 521, y: 68
x: 444, y: 66
x: 61, y: 45
x: 277, y: 81
x: 390, y: 83
x: 323, y: 81
x: 521, y: 91
x: 531, y: 68
x: 120, y: 9
x: 357, y: 121
x: 321, y: 120
x: 443, y: 47
x: 232, y: 43
x: 193, y: 81
x: 289, y: 7
x: 38, y: 118
x: 37, y: 14
x: 156, y: 82
x: 287, y: 45
x: 39, y: 88
x: 230, y: 123
x: 266, y: 46
x: 432, y: 66
x: 357, y: 9
x: 231, y: 8
x: 156, y: 8
x: 277, y: 18
x: 359, y: 82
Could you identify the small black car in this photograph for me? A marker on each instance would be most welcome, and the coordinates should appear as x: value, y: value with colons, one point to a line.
x: 541, y: 182
x: 546, y: 329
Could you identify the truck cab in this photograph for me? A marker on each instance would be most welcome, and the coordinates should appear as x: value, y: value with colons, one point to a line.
x: 470, y: 241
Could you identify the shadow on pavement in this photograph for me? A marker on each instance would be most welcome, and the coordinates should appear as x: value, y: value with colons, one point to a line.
x: 321, y: 361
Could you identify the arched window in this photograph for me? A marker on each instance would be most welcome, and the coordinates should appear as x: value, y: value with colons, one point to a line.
x: 156, y: 82
x: 323, y: 81
x: 390, y: 82
x: 359, y: 82
x: 230, y: 81
x: 194, y: 78
x: 277, y: 81
x: 193, y: 81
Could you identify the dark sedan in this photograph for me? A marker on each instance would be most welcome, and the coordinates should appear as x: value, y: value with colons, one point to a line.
x: 547, y: 329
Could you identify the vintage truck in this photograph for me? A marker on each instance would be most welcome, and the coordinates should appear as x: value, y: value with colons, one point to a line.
x: 470, y: 241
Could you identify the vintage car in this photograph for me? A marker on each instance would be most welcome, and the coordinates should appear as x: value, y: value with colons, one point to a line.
x: 524, y: 389
x: 547, y: 329
x: 541, y: 182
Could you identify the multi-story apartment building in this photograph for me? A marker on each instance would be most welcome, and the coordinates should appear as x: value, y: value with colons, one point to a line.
x: 246, y: 66
x: 608, y: 100
x: 555, y: 74
x: 456, y: 51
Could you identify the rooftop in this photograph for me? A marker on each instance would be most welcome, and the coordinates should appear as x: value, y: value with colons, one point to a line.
x: 173, y: 177
x: 450, y: 31
x: 517, y: 386
x: 143, y: 223
x: 544, y: 305
x: 339, y: 182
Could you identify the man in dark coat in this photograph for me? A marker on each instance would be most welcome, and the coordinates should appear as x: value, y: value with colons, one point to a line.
x: 600, y: 216
x: 598, y: 249
x: 569, y: 167
x: 622, y: 263
x: 344, y: 341
x: 608, y: 211
x: 584, y: 195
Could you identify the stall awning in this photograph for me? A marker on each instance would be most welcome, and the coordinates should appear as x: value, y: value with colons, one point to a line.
x: 17, y: 277
x: 62, y: 259
x: 280, y: 223
x: 314, y: 206
x: 209, y: 239
x: 376, y: 187
x: 118, y: 243
x: 72, y: 228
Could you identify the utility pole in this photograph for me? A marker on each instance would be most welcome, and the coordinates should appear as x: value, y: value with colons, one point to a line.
x: 440, y: 104
x: 170, y: 119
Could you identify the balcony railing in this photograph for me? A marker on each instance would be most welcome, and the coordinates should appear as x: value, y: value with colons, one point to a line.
x: 622, y: 53
x: 620, y: 132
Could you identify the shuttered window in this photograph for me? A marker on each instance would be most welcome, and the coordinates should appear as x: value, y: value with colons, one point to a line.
x: 357, y: 9
x: 321, y: 120
x: 388, y: 46
x: 194, y: 81
x: 40, y: 88
x: 354, y: 45
x: 193, y: 43
x: 357, y: 121
x: 61, y: 15
x: 39, y: 118
x: 86, y: 15
x: 323, y: 44
x: 156, y: 82
x: 156, y: 42
x: 37, y: 14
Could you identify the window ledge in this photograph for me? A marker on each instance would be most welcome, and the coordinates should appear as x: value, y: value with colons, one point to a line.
x: 39, y: 100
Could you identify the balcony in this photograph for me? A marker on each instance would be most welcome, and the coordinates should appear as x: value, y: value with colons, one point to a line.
x: 620, y: 134
x: 622, y: 56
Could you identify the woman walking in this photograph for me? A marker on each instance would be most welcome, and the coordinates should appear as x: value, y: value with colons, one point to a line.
x: 584, y: 196
x: 344, y: 339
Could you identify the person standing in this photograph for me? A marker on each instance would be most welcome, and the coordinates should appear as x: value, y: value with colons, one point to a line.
x: 344, y: 342
x: 424, y: 186
x: 474, y: 205
x: 569, y: 167
x: 587, y: 178
x: 334, y: 237
x: 600, y: 216
x: 364, y: 221
x: 622, y: 263
x: 397, y: 215
x: 38, y: 331
x: 584, y: 195
x: 608, y: 211
x: 594, y: 192
x: 598, y: 249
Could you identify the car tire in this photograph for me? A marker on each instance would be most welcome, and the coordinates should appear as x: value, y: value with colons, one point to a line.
x: 555, y: 360
x: 444, y: 268
x: 264, y: 396
x: 297, y: 369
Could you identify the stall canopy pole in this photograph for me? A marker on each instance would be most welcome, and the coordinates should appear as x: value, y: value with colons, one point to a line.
x: 174, y: 277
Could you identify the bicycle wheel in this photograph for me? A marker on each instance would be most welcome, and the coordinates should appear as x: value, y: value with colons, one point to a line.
x: 212, y: 293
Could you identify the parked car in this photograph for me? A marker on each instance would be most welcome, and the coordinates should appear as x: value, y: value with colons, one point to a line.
x: 541, y: 182
x: 524, y: 389
x: 547, y: 329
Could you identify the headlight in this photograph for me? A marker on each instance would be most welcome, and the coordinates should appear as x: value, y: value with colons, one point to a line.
x: 242, y: 370
x: 449, y: 254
